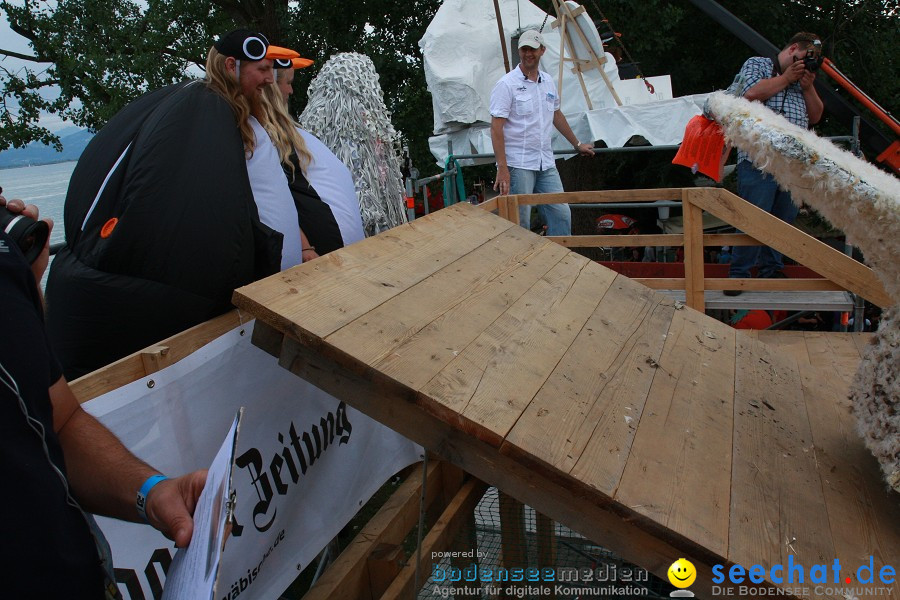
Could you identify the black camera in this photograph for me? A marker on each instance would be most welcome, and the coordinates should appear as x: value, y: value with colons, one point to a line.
x: 29, y: 235
x: 812, y: 61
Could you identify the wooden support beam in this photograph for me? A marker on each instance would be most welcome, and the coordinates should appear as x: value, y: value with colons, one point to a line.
x: 512, y: 209
x: 661, y: 283
x: 382, y: 567
x: 489, y: 205
x: 607, y: 196
x: 789, y: 240
x: 772, y: 285
x: 617, y: 241
x: 347, y: 577
x: 729, y: 239
x: 693, y: 254
x: 513, y: 542
x: 503, y: 207
x: 546, y: 544
x: 440, y: 536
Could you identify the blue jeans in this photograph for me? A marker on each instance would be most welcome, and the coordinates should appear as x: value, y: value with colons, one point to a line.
x: 761, y: 190
x: 525, y: 181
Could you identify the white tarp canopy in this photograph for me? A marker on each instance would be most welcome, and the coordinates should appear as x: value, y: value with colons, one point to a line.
x: 463, y: 60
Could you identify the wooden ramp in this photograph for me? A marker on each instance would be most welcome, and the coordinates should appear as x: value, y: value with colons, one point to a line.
x: 642, y: 424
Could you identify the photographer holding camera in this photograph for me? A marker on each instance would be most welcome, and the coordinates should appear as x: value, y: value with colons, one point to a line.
x: 60, y: 462
x: 786, y: 86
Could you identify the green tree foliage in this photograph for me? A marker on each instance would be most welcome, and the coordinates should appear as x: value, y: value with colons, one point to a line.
x: 101, y: 54
x: 862, y: 37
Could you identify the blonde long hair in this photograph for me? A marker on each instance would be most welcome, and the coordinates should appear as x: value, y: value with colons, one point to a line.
x: 283, y: 129
x: 221, y: 81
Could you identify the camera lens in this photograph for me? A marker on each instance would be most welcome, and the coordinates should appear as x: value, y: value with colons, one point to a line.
x: 29, y: 235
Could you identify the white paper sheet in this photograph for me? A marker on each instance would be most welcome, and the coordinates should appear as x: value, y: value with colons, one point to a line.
x: 194, y: 569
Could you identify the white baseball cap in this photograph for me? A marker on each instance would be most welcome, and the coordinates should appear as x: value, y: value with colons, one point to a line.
x: 532, y: 39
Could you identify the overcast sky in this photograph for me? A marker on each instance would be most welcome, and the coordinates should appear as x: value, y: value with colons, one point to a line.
x: 9, y: 40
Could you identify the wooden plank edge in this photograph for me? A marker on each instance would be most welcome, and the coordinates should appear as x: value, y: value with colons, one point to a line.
x: 393, y: 521
x: 488, y: 205
x: 606, y: 196
x: 443, y: 532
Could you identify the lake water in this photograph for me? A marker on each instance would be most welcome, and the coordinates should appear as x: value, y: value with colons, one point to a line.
x: 44, y: 186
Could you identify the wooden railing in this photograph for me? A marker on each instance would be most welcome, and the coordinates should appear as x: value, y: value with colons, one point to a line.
x: 840, y: 271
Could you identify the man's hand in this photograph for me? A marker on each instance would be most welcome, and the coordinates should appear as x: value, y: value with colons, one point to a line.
x: 171, y: 503
x: 795, y: 72
x: 502, y: 183
x: 585, y: 149
x: 30, y: 210
x: 807, y: 80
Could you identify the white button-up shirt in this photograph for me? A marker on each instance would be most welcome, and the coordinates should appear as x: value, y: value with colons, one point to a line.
x: 528, y: 108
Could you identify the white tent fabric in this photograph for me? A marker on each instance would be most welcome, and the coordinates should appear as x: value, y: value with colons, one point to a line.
x: 463, y: 60
x: 660, y: 123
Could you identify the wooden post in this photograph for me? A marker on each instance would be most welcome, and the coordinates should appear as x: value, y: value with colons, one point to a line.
x: 546, y: 545
x: 512, y: 537
x: 503, y: 207
x: 693, y: 252
x: 512, y: 209
x: 502, y: 36
x: 566, y: 18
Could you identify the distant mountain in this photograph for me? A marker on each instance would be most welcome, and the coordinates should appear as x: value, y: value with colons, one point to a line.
x: 73, y: 140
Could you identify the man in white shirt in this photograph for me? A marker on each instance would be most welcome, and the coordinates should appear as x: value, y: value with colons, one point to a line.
x: 524, y: 106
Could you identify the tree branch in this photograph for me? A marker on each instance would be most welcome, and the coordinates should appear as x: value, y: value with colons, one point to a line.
x: 12, y: 54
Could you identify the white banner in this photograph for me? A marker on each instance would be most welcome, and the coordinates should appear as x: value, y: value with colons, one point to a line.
x: 305, y: 463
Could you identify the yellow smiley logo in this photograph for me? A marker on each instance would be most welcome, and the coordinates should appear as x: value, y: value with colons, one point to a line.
x: 682, y: 573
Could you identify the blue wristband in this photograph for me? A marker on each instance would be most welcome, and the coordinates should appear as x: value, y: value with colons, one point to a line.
x: 141, y: 502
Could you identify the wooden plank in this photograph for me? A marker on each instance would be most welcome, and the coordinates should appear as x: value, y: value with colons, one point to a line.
x: 383, y: 566
x: 617, y: 241
x: 861, y: 510
x: 513, y: 542
x: 791, y: 343
x: 495, y: 265
x: 132, y: 367
x: 345, y: 579
x: 777, y: 503
x: 666, y: 239
x: 771, y: 285
x: 606, y: 196
x: 684, y: 439
x: 728, y: 239
x: 494, y: 378
x: 420, y: 357
x: 545, y: 530
x: 631, y: 535
x: 443, y: 532
x: 512, y: 209
x: 789, y: 240
x: 603, y: 461
x: 503, y: 207
x: 693, y: 255
x: 595, y: 376
x: 355, y: 279
x: 660, y: 283
x: 833, y: 352
x: 489, y: 205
